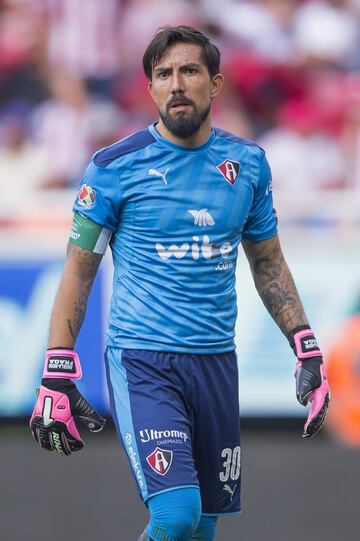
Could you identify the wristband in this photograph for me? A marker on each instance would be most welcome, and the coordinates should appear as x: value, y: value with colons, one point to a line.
x: 62, y: 363
x: 305, y: 344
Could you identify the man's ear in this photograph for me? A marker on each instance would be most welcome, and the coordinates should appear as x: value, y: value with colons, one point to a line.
x: 216, y: 85
x: 150, y: 90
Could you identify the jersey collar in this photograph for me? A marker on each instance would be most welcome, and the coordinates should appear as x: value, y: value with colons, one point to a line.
x: 152, y: 129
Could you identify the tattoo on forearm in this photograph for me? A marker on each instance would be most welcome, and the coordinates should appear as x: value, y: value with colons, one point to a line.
x: 280, y: 296
x: 86, y: 264
x: 71, y: 330
x: 262, y: 267
x: 88, y: 260
x: 74, y: 324
x: 276, y: 286
x: 71, y: 299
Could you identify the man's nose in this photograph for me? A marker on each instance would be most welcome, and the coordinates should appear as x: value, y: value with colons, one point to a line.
x: 177, y: 83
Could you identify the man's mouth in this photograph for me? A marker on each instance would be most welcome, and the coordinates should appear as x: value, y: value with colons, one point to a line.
x: 179, y: 105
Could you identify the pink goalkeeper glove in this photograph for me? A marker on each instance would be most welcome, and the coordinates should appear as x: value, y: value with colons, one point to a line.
x: 311, y: 380
x: 59, y: 401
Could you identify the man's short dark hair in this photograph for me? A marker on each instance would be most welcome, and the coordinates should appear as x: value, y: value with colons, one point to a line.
x: 169, y: 35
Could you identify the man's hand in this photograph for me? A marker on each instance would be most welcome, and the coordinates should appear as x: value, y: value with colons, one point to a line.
x: 52, y: 422
x: 311, y: 380
x: 312, y: 386
x: 59, y: 402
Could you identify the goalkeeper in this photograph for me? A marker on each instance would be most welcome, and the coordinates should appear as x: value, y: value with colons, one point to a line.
x: 175, y: 200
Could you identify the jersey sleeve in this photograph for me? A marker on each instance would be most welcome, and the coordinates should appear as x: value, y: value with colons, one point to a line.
x: 262, y: 221
x: 99, y: 196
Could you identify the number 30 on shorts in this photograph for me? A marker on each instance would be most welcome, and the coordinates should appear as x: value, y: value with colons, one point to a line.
x: 231, y: 464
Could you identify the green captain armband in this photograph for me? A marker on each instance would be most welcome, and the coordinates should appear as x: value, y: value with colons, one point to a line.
x: 89, y: 235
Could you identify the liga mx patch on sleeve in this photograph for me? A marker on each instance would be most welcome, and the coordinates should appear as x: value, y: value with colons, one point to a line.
x: 86, y: 196
x: 89, y: 235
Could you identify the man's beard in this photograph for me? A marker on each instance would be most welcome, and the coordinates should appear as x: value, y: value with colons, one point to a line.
x: 184, y: 125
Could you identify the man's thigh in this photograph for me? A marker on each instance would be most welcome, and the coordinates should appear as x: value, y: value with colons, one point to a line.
x: 152, y: 416
x: 216, y: 433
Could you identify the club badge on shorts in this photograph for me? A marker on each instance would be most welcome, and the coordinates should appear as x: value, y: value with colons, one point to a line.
x: 160, y: 460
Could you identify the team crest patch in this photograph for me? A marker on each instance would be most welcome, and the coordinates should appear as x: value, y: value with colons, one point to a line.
x: 86, y: 196
x: 229, y: 170
x: 160, y: 460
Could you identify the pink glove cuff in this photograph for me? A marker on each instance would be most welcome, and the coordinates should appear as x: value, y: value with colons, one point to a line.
x: 62, y: 363
x: 306, y: 345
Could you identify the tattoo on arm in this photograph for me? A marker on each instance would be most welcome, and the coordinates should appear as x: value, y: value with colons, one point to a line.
x: 71, y: 330
x: 88, y: 264
x: 275, y: 284
x: 87, y: 261
x: 74, y: 325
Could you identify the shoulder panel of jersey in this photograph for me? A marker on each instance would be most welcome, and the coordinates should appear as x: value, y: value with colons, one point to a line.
x: 235, y: 139
x: 132, y: 143
x: 102, y: 179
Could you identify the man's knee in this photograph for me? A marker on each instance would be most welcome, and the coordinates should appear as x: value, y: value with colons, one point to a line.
x: 174, y: 515
x: 206, y: 529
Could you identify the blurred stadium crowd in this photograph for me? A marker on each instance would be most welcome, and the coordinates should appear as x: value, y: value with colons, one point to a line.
x: 71, y: 81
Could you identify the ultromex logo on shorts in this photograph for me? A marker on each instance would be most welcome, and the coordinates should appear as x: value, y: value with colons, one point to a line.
x: 163, y: 436
x: 160, y: 460
x: 134, y: 459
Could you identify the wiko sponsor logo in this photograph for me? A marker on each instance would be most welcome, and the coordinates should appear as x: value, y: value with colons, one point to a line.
x: 201, y: 247
x: 60, y: 364
x: 163, y: 436
x: 134, y: 459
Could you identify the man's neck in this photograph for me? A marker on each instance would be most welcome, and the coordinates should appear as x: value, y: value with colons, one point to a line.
x: 198, y: 139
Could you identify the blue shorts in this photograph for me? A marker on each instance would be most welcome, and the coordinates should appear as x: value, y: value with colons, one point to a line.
x: 177, y: 417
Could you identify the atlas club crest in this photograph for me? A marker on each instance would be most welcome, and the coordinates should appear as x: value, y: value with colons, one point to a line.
x: 229, y: 170
x: 160, y: 460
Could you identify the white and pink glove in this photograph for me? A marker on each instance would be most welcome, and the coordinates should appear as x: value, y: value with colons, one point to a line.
x: 311, y: 380
x: 59, y: 401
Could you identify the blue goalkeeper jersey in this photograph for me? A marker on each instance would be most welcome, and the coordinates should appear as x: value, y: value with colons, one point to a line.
x: 178, y: 215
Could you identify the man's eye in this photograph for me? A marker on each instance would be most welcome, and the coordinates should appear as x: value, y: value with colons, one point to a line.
x: 192, y: 71
x: 163, y: 74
